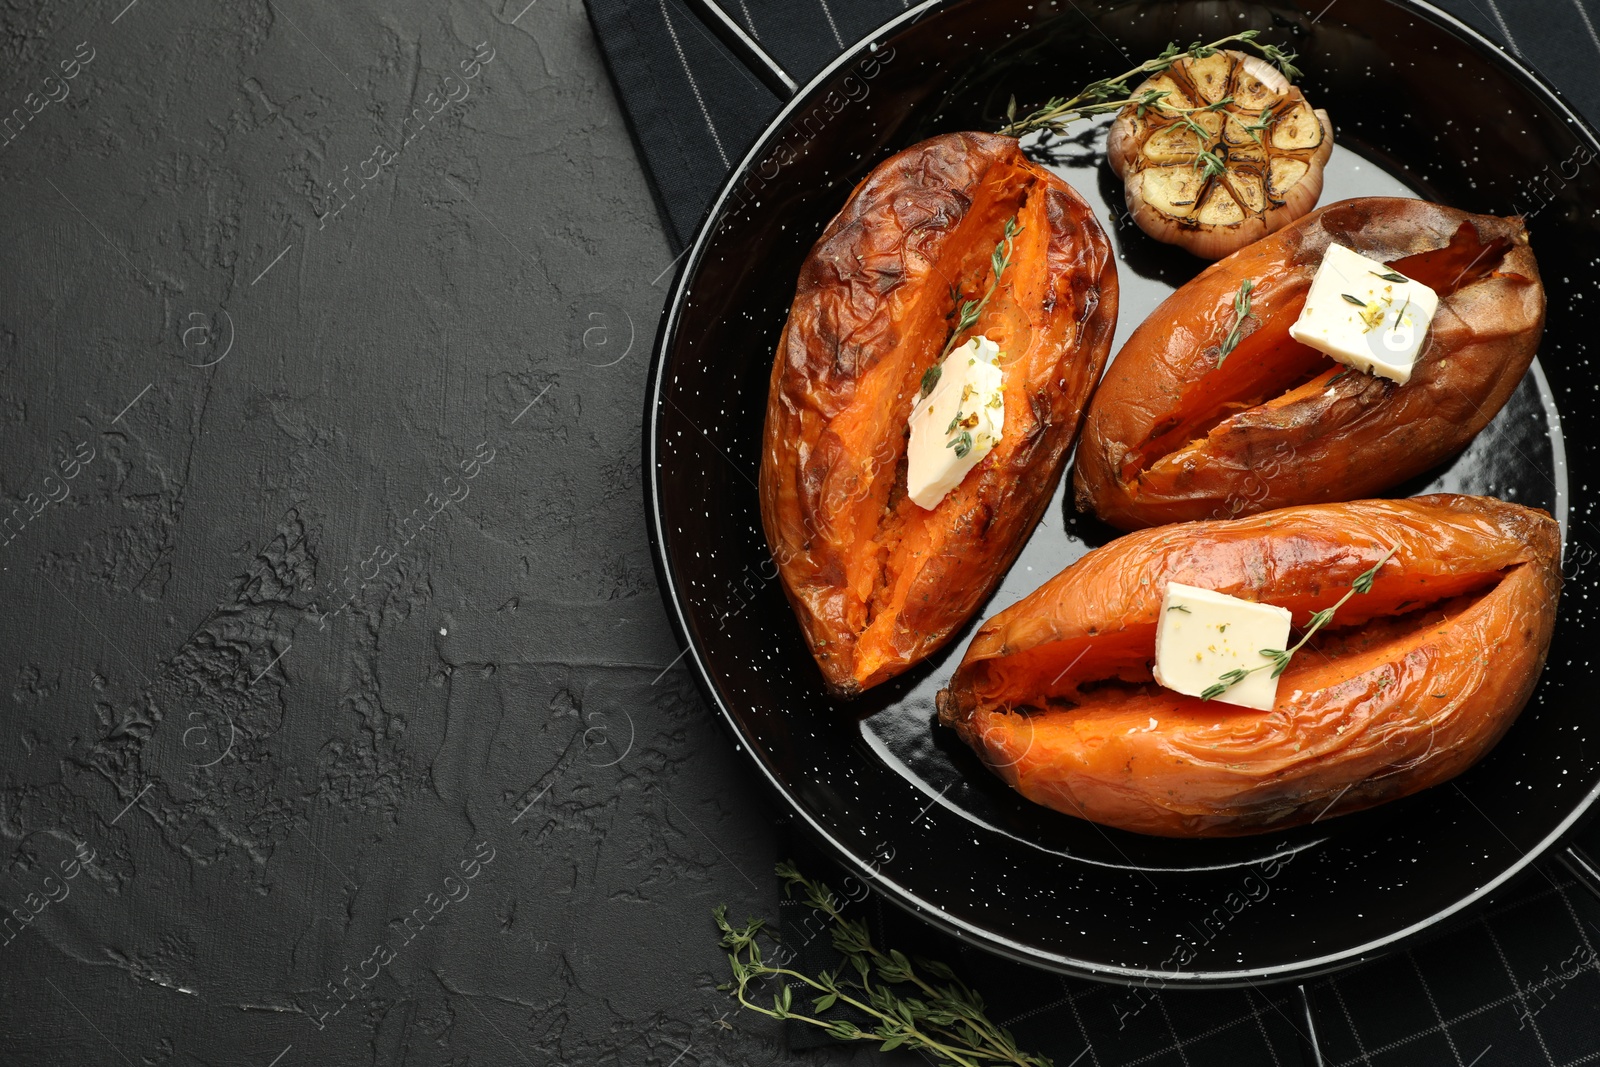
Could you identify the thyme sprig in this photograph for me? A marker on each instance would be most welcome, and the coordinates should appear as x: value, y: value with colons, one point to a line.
x: 1277, y: 658
x: 917, y: 1004
x: 1113, y: 94
x: 1241, y: 312
x: 1209, y: 164
x: 1254, y: 129
x: 999, y: 259
x: 1282, y: 59
x: 1185, y: 114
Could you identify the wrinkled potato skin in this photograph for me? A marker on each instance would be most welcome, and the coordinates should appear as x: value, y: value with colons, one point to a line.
x: 1371, y: 711
x: 876, y: 583
x: 1150, y: 454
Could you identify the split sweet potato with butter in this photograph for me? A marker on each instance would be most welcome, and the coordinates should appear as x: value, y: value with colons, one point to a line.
x: 1408, y: 685
x: 1181, y: 429
x: 876, y: 581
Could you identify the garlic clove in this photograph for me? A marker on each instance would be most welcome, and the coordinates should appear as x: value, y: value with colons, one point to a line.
x: 1218, y: 207
x: 1299, y: 128
x: 1210, y: 76
x: 1177, y: 95
x: 1286, y: 173
x: 1259, y: 84
x: 1172, y: 190
x: 1175, y: 144
x: 1249, y: 189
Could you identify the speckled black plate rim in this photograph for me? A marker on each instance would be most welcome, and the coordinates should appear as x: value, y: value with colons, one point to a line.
x: 905, y: 896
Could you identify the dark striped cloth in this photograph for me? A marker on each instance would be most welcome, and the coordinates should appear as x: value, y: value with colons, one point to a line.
x: 1516, y: 982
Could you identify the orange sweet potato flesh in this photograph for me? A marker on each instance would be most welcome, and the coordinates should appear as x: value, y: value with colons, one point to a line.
x: 1173, y: 436
x: 877, y: 582
x: 1408, y: 686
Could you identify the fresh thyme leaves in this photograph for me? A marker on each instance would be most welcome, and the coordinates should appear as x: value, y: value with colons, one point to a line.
x: 1224, y: 682
x: 1356, y: 300
x: 999, y: 259
x: 1390, y: 276
x: 967, y: 317
x: 1336, y: 377
x: 1363, y: 582
x: 1142, y: 103
x: 1180, y: 607
x: 1112, y: 94
x: 1277, y: 658
x: 1209, y: 164
x: 1254, y: 129
x: 1281, y: 59
x: 916, y: 1004
x: 1241, y: 311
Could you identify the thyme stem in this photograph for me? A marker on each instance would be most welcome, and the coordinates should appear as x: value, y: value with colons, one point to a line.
x: 1278, y: 659
x: 1241, y: 312
x: 939, y: 1014
x: 999, y: 259
x: 1097, y: 97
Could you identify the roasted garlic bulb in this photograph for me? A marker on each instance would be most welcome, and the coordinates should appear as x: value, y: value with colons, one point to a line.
x: 1217, y: 152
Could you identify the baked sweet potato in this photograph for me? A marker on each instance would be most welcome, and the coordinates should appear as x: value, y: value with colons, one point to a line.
x: 1176, y: 432
x: 1406, y: 687
x: 877, y: 582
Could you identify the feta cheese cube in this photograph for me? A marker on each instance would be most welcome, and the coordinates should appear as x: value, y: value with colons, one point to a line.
x: 1358, y: 313
x: 1203, y: 635
x: 956, y: 424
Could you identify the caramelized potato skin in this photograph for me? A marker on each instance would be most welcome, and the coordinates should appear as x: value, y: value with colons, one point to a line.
x: 1410, y: 684
x: 1177, y: 431
x: 876, y: 582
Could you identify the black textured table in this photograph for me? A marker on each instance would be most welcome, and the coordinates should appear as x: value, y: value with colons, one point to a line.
x: 344, y: 722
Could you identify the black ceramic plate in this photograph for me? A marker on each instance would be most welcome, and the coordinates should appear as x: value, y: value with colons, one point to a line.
x: 1423, y: 106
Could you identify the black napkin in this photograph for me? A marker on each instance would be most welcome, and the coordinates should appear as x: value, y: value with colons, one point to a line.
x: 1516, y: 982
x: 692, y: 107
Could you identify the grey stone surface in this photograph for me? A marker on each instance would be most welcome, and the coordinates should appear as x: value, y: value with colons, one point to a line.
x: 342, y: 657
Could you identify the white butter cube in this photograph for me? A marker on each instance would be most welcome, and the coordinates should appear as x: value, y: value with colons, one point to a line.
x: 1365, y: 315
x: 956, y: 424
x: 1203, y: 635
